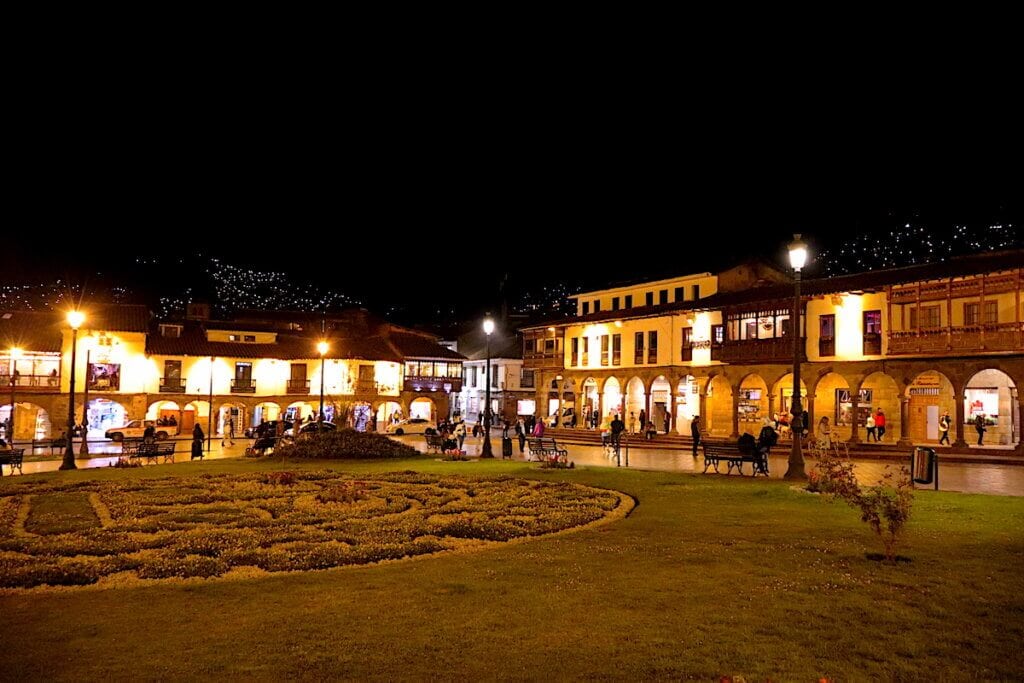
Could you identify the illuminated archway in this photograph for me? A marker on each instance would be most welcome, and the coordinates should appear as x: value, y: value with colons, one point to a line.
x: 230, y: 411
x: 992, y: 395
x: 267, y: 410
x: 591, y: 400
x: 611, y: 404
x: 661, y: 402
x: 753, y: 404
x: 783, y: 393
x: 687, y: 403
x: 30, y: 421
x: 931, y: 394
x: 162, y: 409
x: 832, y: 400
x: 422, y: 408
x: 879, y: 391
x: 102, y: 414
x: 636, y: 401
x: 300, y: 410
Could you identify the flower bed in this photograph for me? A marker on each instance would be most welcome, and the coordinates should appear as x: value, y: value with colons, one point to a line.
x: 205, y: 526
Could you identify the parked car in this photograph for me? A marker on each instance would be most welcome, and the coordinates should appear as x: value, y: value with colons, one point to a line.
x: 313, y: 428
x: 250, y: 432
x: 135, y: 429
x: 415, y: 425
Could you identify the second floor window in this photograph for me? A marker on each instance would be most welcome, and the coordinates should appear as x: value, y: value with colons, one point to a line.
x: 929, y: 317
x: 629, y: 301
x: 575, y: 351
x: 586, y: 350
x: 717, y: 335
x: 680, y: 293
x: 663, y: 296
x: 471, y: 377
x: 972, y: 313
x: 298, y: 373
x: 526, y: 379
x: 586, y: 307
x: 615, y: 303
x: 827, y: 326
x: 991, y: 312
x: 650, y: 298
x: 873, y: 322
x: 652, y: 348
x: 605, y: 346
x: 686, y: 351
x: 616, y: 349
x: 172, y: 372
x: 597, y: 305
x: 638, y: 348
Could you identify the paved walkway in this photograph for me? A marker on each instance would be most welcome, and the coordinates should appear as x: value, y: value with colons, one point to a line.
x: 1005, y: 480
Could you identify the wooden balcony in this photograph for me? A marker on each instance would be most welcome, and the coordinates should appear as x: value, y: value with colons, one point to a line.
x: 967, y: 288
x: 171, y: 385
x: 543, y: 361
x: 778, y: 350
x: 297, y: 386
x: 243, y: 386
x: 960, y: 340
x: 445, y: 384
x: 33, y: 383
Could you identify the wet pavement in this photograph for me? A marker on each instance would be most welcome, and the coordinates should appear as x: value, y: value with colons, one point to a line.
x: 968, y: 478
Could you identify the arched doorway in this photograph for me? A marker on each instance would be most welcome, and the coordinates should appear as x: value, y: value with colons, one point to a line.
x: 164, y: 413
x: 783, y: 394
x: 30, y: 421
x: 719, y: 405
x: 687, y: 403
x: 880, y: 392
x: 612, y: 400
x: 196, y: 411
x: 591, y: 400
x: 235, y: 413
x: 661, y: 402
x: 832, y: 400
x: 423, y: 408
x: 360, y: 416
x: 753, y: 404
x: 388, y: 412
x: 635, y: 400
x: 991, y: 395
x: 102, y: 414
x: 268, y: 411
x: 301, y: 411
x: 931, y: 394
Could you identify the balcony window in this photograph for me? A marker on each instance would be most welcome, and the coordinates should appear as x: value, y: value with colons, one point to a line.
x: 526, y: 380
x: 663, y: 297
x: 454, y: 370
x: 972, y: 313
x: 615, y: 303
x: 652, y: 348
x: 649, y: 298
x: 629, y: 301
x: 991, y: 312
x: 616, y: 349
x: 586, y: 351
x: 597, y: 305
x: 680, y: 293
x: 586, y: 307
x: 575, y: 352
x: 827, y: 335
x: 686, y: 350
x: 605, y: 346
x: 638, y: 348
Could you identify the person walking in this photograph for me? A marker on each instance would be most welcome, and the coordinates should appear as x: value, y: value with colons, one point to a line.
x: 668, y: 422
x: 632, y: 422
x: 149, y: 436
x: 229, y: 433
x: 538, y: 429
x: 944, y: 423
x: 979, y: 424
x: 870, y: 424
x: 695, y: 433
x: 825, y: 432
x: 460, y: 433
x: 642, y: 418
x: 521, y: 433
x: 617, y: 427
x: 197, y: 442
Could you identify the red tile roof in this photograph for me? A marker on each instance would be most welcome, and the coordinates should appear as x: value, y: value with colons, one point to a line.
x: 38, y: 331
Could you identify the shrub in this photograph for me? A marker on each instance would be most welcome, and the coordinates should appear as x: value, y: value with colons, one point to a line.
x: 885, y: 507
x: 348, y: 444
x: 346, y: 492
x: 126, y: 463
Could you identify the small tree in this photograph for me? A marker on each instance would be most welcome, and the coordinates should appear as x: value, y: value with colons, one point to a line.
x: 884, y: 506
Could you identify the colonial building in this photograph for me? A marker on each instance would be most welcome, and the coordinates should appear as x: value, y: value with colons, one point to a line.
x: 512, y: 386
x: 912, y: 342
x: 261, y: 365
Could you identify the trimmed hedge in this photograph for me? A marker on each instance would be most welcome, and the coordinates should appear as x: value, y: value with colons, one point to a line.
x: 347, y: 444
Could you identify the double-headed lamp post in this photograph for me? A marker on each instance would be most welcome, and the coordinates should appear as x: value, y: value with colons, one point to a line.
x: 797, y: 259
x: 486, y: 452
x: 15, y: 355
x: 322, y: 348
x: 75, y: 320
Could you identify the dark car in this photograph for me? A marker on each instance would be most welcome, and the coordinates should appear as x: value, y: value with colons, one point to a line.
x: 313, y: 428
x: 250, y: 432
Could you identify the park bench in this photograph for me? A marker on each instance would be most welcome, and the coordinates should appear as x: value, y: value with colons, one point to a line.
x: 14, y: 458
x: 716, y: 453
x: 435, y: 442
x: 545, y: 448
x: 149, y: 451
x: 52, y: 444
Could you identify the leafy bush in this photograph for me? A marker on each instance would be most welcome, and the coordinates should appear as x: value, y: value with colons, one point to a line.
x: 348, y: 444
x: 346, y: 492
x: 279, y: 478
x: 885, y: 507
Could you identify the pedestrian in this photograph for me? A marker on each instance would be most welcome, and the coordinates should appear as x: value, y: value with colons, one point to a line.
x: 538, y: 429
x: 632, y: 422
x: 825, y: 432
x: 870, y: 424
x: 642, y: 418
x: 979, y: 424
x: 460, y: 433
x: 521, y: 433
x: 668, y: 422
x: 197, y: 442
x: 229, y: 433
x: 944, y: 423
x: 695, y: 433
x: 880, y: 424
x: 617, y: 427
x: 149, y: 435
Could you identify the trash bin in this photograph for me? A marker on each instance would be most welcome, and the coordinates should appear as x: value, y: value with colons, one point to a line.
x: 924, y: 466
x: 506, y: 447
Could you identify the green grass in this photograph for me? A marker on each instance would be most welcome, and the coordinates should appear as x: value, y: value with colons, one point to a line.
x: 708, y: 576
x: 60, y: 514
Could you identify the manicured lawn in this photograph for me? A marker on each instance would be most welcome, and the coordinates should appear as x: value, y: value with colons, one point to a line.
x: 708, y: 576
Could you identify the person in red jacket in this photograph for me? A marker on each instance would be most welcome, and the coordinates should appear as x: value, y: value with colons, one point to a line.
x: 880, y: 424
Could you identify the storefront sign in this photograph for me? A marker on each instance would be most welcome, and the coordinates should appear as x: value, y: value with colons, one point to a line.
x: 701, y: 344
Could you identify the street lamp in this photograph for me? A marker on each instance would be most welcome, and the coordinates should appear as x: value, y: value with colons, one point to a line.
x: 75, y: 320
x: 486, y: 452
x: 797, y: 259
x: 322, y: 348
x: 15, y: 355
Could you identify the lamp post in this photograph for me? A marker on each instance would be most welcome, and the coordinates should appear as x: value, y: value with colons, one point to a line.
x: 15, y: 355
x: 322, y: 348
x: 83, y: 449
x: 797, y: 258
x: 486, y: 452
x: 75, y: 320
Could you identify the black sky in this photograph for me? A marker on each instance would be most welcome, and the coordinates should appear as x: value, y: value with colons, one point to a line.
x: 407, y: 195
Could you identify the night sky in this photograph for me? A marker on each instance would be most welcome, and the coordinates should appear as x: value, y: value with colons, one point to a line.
x: 436, y: 212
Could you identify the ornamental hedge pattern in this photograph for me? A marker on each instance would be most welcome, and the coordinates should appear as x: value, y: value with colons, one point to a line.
x: 211, y: 524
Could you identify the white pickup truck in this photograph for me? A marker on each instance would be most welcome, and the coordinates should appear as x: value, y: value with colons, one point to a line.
x: 136, y: 428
